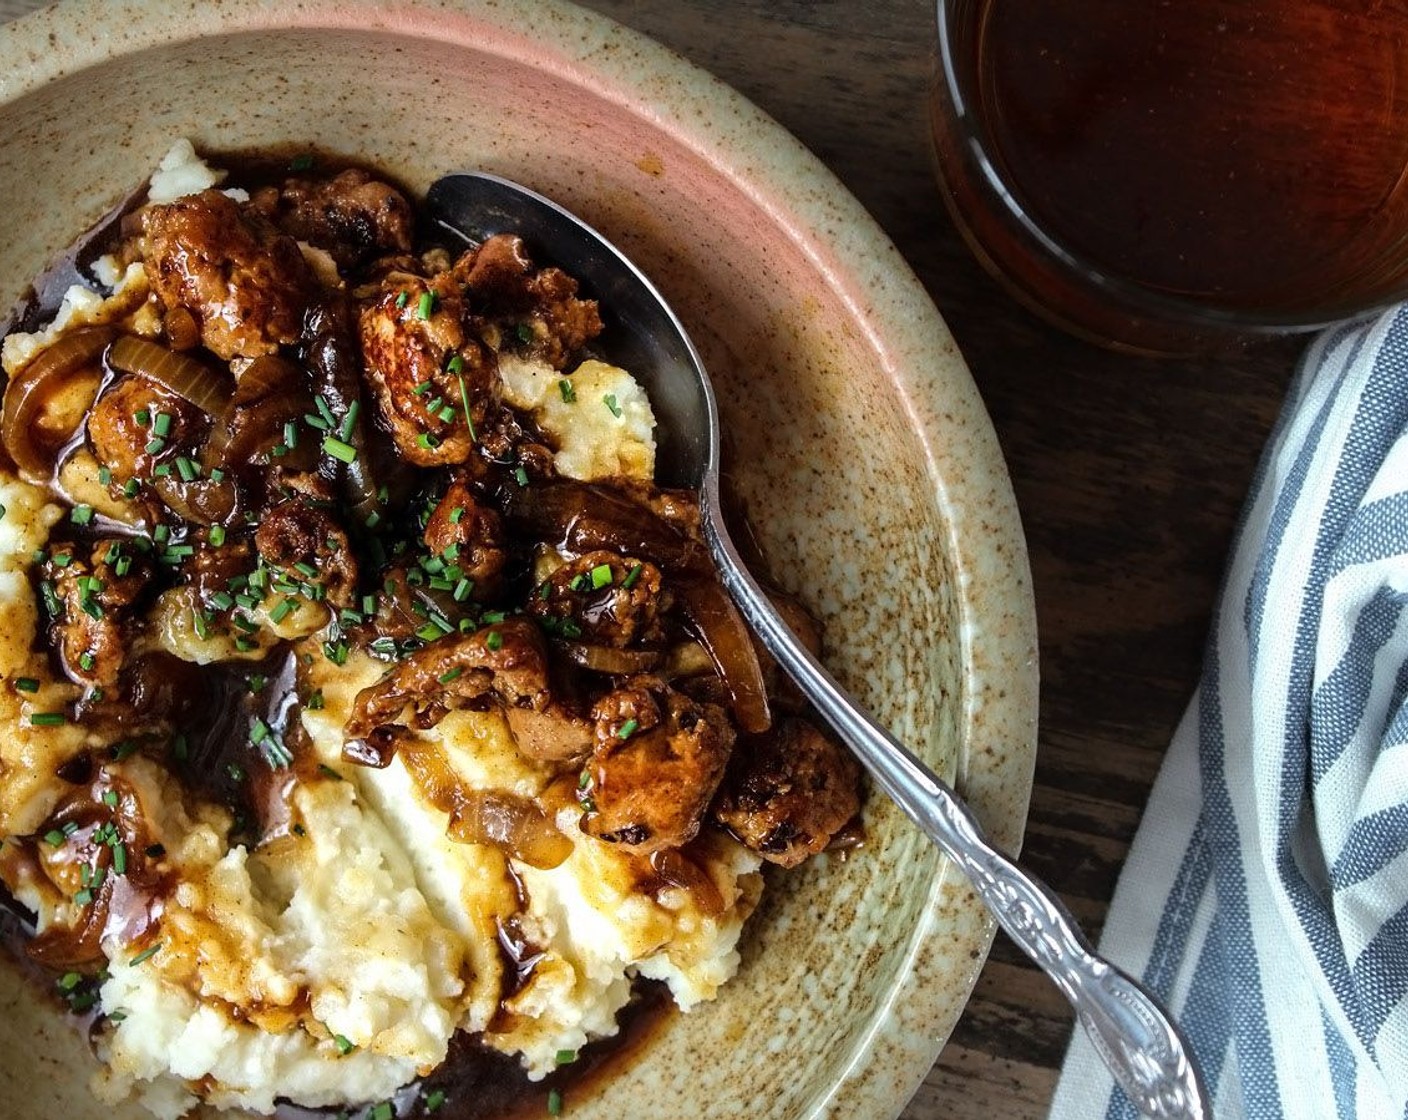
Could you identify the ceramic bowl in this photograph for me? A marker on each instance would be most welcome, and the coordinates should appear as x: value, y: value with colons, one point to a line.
x: 856, y: 438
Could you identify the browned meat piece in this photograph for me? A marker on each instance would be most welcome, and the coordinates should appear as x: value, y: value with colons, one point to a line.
x: 507, y: 662
x: 307, y: 546
x: 657, y: 759
x: 603, y: 598
x: 212, y: 569
x: 417, y: 358
x: 94, y: 591
x: 352, y: 216
x: 125, y: 425
x: 246, y: 283
x: 788, y: 793
x: 470, y: 535
x: 538, y: 306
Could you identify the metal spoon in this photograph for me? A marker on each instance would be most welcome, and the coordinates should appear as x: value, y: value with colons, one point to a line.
x: 1139, y: 1043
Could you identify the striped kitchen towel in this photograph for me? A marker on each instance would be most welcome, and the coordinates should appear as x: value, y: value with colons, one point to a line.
x: 1265, y: 898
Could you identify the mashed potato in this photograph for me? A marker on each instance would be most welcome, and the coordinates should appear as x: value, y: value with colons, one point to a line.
x: 328, y: 956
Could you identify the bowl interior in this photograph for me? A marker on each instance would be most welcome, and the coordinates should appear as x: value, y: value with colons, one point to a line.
x: 854, y: 438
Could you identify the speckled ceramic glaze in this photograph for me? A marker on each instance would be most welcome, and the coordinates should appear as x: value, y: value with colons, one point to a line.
x: 855, y: 435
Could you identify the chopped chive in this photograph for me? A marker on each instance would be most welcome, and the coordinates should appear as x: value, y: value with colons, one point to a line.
x: 290, y: 434
x: 305, y: 569
x: 520, y: 476
x: 462, y: 590
x: 601, y: 576
x: 629, y: 728
x: 569, y: 394
x: 236, y: 771
x: 382, y: 1111
x: 555, y: 1102
x: 349, y: 422
x: 145, y: 955
x: 123, y: 565
x: 317, y: 422
x: 344, y: 1044
x: 130, y: 488
x: 162, y: 470
x: 495, y: 640
x: 81, y: 515
x: 119, y: 859
x: 282, y: 610
x: 86, y: 661
x: 423, y: 388
x: 162, y: 424
x: 446, y: 414
x: 47, y: 719
x: 217, y: 535
x: 124, y: 749
x: 302, y: 162
x: 336, y: 652
x: 566, y: 1057
x: 315, y: 701
x: 54, y: 838
x: 468, y: 415
x: 610, y: 401
x: 84, y: 897
x: 142, y: 417
x: 187, y: 469
x: 425, y: 307
x: 178, y: 748
x: 402, y: 298
x: 26, y: 684
x: 249, y: 602
x: 222, y: 601
x: 105, y: 475
x: 434, y: 1099
x: 340, y: 450
x: 69, y: 980
x: 110, y: 798
x: 450, y: 675
x: 245, y: 645
x: 63, y: 560
x: 631, y: 577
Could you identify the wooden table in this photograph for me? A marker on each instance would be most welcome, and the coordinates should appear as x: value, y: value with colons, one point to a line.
x: 1129, y: 474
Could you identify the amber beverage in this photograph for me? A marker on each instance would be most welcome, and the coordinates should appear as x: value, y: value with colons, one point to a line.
x: 1162, y: 175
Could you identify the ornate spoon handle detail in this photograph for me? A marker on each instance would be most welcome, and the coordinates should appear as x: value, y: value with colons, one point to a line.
x: 1138, y: 1041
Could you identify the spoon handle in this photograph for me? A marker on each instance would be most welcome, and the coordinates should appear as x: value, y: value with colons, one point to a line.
x: 1138, y: 1041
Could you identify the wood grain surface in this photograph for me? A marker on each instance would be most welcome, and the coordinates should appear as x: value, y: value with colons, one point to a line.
x: 1129, y: 474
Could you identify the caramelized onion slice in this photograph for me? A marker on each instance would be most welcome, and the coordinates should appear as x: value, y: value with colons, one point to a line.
x: 725, y: 635
x: 514, y: 825
x: 37, y: 383
x: 609, y: 659
x: 182, y: 374
x: 582, y: 518
x: 678, y: 870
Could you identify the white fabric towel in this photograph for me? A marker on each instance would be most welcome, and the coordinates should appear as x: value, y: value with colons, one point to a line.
x: 1265, y: 898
